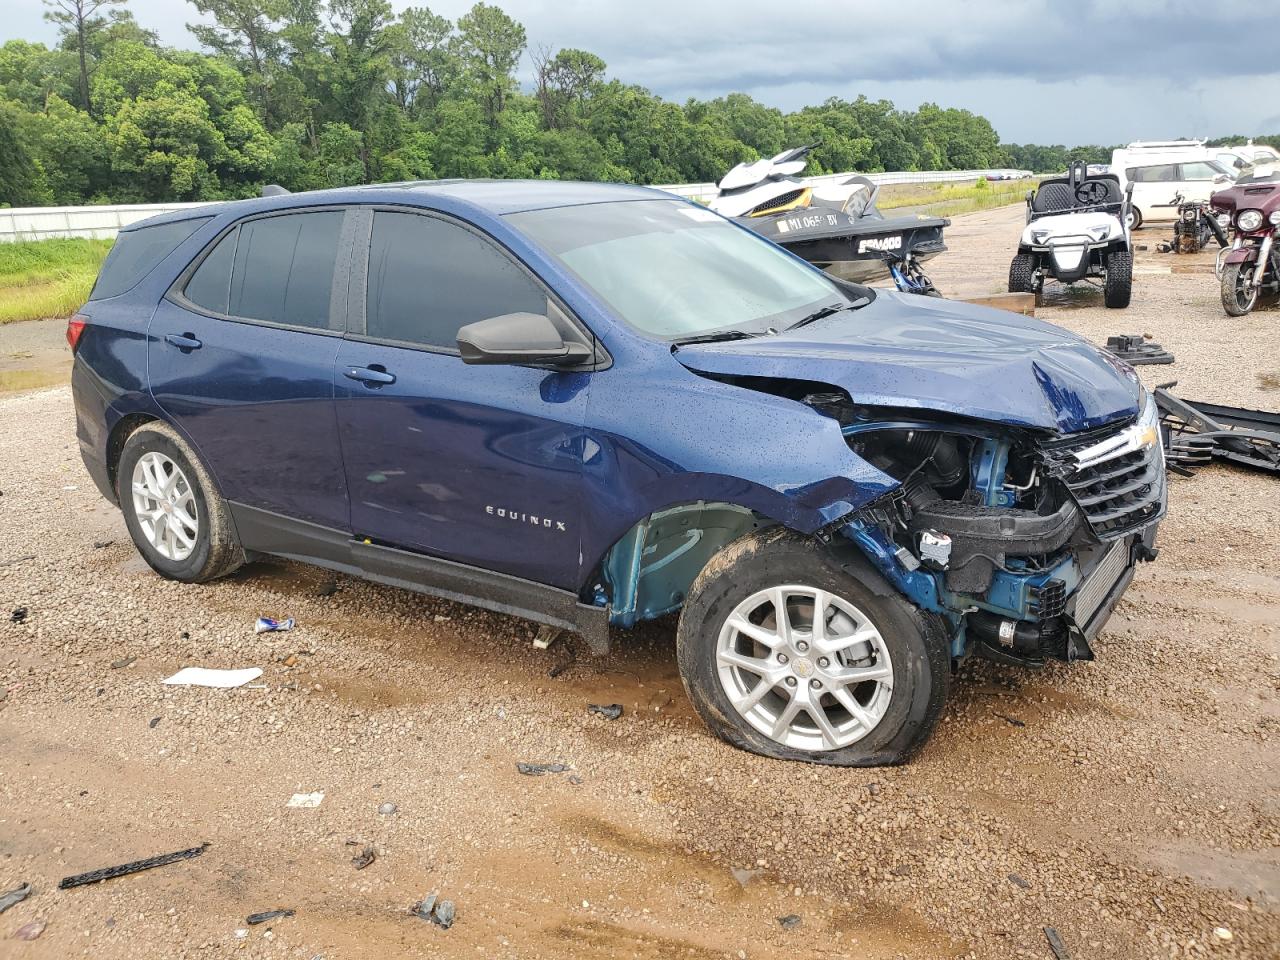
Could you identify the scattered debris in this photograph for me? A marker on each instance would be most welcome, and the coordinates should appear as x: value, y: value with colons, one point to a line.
x: 546, y: 636
x: 901, y: 870
x: 1017, y: 881
x: 271, y: 625
x: 1135, y: 349
x: 387, y: 809
x: 153, y: 722
x: 327, y: 589
x: 102, y: 544
x: 109, y: 873
x: 1196, y: 433
x: 440, y: 912
x: 568, y: 660
x: 207, y: 677
x: 610, y: 711
x: 19, y: 615
x: 1012, y: 720
x: 1159, y: 904
x: 1060, y: 951
x: 364, y: 857
x: 789, y: 922
x: 21, y: 559
x: 16, y: 895
x: 873, y: 789
x: 575, y: 779
x: 306, y: 800
x: 267, y: 915
x: 1223, y: 934
x: 123, y: 662
x: 538, y: 769
x: 29, y: 931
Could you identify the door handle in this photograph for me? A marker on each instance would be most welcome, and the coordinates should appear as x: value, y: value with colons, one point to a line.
x: 374, y: 376
x: 183, y: 341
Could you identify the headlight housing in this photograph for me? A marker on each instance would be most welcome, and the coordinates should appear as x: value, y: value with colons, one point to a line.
x: 1100, y: 232
x: 1275, y: 218
x: 1249, y: 219
x: 1038, y: 236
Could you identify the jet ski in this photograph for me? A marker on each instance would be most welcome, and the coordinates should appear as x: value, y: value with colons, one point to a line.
x: 834, y: 226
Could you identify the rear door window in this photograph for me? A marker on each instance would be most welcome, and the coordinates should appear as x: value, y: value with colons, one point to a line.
x: 137, y: 252
x: 283, y: 267
x: 210, y: 285
x: 1199, y: 171
x: 1162, y: 173
x: 428, y: 277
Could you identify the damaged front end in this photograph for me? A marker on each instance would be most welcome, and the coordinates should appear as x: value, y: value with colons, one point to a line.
x: 1021, y: 541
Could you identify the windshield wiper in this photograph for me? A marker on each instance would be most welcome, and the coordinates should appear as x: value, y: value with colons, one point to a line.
x: 715, y: 337
x: 830, y: 310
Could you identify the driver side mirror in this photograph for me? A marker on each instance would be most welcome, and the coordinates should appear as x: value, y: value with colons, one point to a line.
x: 516, y: 338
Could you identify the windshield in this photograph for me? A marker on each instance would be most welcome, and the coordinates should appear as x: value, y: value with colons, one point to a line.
x: 675, y: 270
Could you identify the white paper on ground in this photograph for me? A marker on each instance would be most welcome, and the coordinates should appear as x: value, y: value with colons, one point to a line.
x: 306, y: 799
x: 206, y: 677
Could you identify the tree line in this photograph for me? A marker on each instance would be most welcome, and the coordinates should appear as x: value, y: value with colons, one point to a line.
x: 320, y: 93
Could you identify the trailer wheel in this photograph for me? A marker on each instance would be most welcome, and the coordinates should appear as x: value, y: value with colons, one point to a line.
x: 1021, y: 274
x: 1118, y: 287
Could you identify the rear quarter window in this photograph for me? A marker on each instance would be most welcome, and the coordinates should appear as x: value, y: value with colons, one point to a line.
x: 136, y: 253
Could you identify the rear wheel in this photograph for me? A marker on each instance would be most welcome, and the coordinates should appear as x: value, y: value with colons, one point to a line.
x: 1022, y: 274
x: 789, y: 653
x: 1135, y: 218
x: 1117, y: 289
x: 1239, y: 295
x: 176, y: 518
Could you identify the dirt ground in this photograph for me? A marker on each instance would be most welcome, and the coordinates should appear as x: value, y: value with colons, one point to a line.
x: 1132, y: 803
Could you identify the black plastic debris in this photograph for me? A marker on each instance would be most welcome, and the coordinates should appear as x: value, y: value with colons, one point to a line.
x: 102, y: 544
x: 1196, y: 433
x: 109, y: 873
x: 1060, y: 951
x: 538, y: 769
x: 789, y: 922
x: 1017, y: 881
x: 19, y: 615
x: 123, y: 662
x: 254, y: 918
x: 14, y: 896
x: 610, y: 711
x: 1136, y: 350
x: 152, y: 723
x: 440, y: 912
x: 1012, y: 721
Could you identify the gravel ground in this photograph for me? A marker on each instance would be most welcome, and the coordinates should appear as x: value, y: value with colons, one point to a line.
x: 1130, y: 803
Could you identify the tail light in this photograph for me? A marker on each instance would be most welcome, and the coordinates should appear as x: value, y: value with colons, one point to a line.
x: 75, y: 330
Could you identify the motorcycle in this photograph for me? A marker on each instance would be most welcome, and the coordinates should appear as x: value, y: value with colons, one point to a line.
x: 1249, y: 270
x: 834, y: 226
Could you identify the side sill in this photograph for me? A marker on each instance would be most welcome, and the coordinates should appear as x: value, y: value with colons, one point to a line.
x: 262, y: 531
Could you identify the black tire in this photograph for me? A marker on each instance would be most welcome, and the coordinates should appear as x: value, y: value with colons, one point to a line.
x: 916, y: 647
x: 1117, y: 289
x: 216, y: 551
x: 1022, y: 274
x: 1234, y: 300
x: 1135, y: 218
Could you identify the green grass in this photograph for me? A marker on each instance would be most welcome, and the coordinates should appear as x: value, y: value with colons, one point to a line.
x: 47, y: 278
x: 953, y: 198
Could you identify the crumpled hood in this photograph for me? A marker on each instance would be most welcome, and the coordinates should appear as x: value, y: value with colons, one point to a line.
x: 922, y: 352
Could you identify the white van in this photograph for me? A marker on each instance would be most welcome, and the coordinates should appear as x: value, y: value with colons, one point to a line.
x: 1167, y: 173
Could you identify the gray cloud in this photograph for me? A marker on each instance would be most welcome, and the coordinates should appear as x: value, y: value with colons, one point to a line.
x: 1041, y: 70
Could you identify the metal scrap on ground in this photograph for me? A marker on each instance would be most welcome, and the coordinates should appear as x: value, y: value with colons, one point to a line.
x: 137, y: 866
x: 16, y: 895
x: 267, y: 915
x: 1196, y: 433
x: 1134, y: 349
x: 538, y: 769
x: 206, y: 677
x: 610, y: 711
x: 1060, y: 951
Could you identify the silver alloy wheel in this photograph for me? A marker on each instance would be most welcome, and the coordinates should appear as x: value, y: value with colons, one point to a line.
x: 165, y: 506
x: 808, y: 682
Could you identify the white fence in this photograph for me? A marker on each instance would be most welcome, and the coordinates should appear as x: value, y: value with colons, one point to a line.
x: 44, y: 223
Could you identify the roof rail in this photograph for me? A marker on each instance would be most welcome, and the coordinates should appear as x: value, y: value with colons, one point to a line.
x: 1165, y: 144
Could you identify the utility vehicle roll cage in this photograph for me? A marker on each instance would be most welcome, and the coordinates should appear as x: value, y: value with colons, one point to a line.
x: 1079, y: 192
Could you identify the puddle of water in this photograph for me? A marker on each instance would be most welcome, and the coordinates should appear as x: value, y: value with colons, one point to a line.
x: 1070, y: 297
x: 16, y: 381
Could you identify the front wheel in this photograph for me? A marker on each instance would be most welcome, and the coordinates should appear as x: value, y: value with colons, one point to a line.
x: 1239, y: 295
x: 1117, y: 289
x: 787, y: 652
x: 1022, y: 274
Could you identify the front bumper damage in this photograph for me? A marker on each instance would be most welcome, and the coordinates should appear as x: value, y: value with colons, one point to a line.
x: 1022, y: 586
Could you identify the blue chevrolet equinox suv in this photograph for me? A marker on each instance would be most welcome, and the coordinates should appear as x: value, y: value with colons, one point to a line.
x: 590, y: 405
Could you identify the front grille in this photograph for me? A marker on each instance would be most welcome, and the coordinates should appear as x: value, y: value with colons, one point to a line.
x: 1118, y: 492
x: 782, y: 200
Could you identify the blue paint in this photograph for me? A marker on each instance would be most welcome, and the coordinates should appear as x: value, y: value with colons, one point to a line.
x: 1011, y: 594
x: 470, y: 463
x: 987, y: 470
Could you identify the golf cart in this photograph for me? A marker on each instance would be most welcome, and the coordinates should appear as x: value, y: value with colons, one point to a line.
x: 1077, y: 229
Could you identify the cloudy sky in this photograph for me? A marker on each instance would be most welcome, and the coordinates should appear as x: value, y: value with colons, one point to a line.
x: 1043, y: 71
